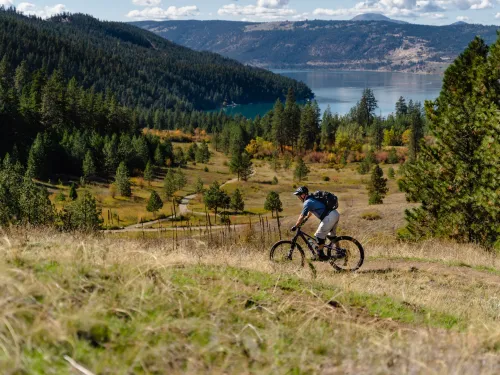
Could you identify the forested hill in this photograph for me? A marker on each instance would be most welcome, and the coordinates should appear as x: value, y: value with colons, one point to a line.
x: 327, y: 44
x: 137, y: 66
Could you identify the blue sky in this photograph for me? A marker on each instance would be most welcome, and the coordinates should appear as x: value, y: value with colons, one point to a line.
x: 435, y: 12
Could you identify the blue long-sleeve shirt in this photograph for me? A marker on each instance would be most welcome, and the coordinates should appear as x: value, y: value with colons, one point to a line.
x: 313, y: 205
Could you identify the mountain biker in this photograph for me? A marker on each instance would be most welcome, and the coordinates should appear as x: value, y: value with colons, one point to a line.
x: 327, y: 226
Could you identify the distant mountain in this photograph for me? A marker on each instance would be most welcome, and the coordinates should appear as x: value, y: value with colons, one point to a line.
x: 372, y: 45
x: 139, y: 67
x: 459, y: 23
x: 376, y: 17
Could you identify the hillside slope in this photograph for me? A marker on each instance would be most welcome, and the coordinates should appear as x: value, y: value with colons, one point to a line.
x: 120, y: 307
x: 327, y: 44
x: 139, y: 67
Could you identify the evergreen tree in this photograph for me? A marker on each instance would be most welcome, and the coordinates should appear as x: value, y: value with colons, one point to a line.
x: 377, y: 133
x: 155, y: 203
x: 457, y: 179
x: 274, y: 162
x: 199, y: 187
x: 287, y: 161
x: 216, y: 198
x: 377, y: 187
x: 37, y: 159
x: 309, y: 127
x: 169, y: 184
x: 401, y: 107
x: 301, y: 170
x: 148, y: 173
x: 246, y: 168
x: 60, y: 197
x: 416, y: 134
x: 291, y: 119
x: 391, y: 173
x: 392, y: 158
x: 35, y: 206
x: 273, y: 203
x: 279, y: 135
x: 122, y: 180
x: 329, y: 127
x: 366, y: 108
x: 73, y: 195
x: 180, y: 179
x: 82, y: 215
x: 88, y: 168
x: 237, y: 202
x: 159, y: 156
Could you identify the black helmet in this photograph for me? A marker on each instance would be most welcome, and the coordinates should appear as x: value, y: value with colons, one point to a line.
x: 302, y: 190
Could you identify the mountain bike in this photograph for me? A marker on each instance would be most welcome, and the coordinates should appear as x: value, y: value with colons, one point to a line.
x: 345, y: 254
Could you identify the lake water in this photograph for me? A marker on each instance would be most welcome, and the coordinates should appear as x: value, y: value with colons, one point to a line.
x: 341, y: 90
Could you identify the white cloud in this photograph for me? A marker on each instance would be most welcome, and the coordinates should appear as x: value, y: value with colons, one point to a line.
x: 42, y: 12
x: 497, y: 16
x: 267, y: 9
x: 6, y: 3
x: 157, y: 13
x: 147, y: 3
x: 462, y: 18
x: 484, y: 4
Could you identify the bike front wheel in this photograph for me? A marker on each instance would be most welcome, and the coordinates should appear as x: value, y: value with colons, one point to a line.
x: 346, y: 253
x: 287, y: 256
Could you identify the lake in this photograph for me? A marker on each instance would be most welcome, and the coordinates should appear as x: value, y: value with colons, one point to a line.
x: 341, y: 90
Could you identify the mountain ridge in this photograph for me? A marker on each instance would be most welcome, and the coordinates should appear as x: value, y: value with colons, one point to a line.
x: 317, y: 44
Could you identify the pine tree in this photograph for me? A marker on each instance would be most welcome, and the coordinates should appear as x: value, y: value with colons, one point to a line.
x: 169, y: 184
x: 180, y: 179
x: 391, y: 173
x: 291, y: 119
x: 159, y: 156
x: 35, y: 206
x: 329, y: 127
x: 416, y: 133
x: 216, y: 198
x: 273, y: 203
x: 82, y: 215
x: 88, y: 168
x: 401, y: 107
x: 309, y: 127
x: 37, y: 159
x: 301, y: 170
x: 199, y: 187
x: 377, y: 133
x: 377, y: 187
x: 122, y: 180
x: 279, y: 135
x: 392, y: 158
x: 274, y: 162
x: 287, y: 161
x: 456, y: 179
x: 73, y: 195
x: 246, y: 168
x: 237, y: 202
x: 155, y: 203
x: 148, y: 173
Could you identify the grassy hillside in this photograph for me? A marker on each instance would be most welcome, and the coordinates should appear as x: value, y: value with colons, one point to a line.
x: 123, y: 306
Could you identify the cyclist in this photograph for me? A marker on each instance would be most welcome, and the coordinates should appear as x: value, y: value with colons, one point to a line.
x: 327, y: 226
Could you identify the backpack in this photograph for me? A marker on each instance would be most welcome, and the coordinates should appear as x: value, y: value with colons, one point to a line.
x: 328, y: 199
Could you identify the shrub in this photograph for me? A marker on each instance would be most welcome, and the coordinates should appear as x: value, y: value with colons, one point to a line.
x: 275, y: 180
x: 326, y: 178
x: 205, y: 169
x: 371, y: 215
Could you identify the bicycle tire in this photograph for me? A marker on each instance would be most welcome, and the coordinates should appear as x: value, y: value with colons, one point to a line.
x: 273, y: 256
x: 354, y: 247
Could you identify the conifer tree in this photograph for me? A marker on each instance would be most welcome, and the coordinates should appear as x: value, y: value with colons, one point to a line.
x: 329, y: 127
x: 237, y: 202
x: 82, y: 215
x: 291, y: 119
x: 122, y: 180
x: 199, y: 187
x: 391, y: 173
x: 401, y: 107
x: 416, y: 133
x: 273, y: 203
x: 216, y: 198
x: 180, y: 179
x: 169, y: 184
x: 159, y: 156
x: 377, y: 187
x: 279, y: 126
x: 148, y: 173
x: 35, y: 206
x: 73, y: 195
x: 301, y: 170
x: 155, y: 203
x: 37, y: 159
x: 457, y: 179
x: 88, y: 168
x: 392, y: 158
x: 246, y: 167
x: 309, y: 127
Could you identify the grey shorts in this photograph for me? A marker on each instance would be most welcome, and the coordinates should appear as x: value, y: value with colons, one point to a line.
x: 328, y: 225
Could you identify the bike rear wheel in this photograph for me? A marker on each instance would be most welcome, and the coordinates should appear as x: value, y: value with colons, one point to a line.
x: 287, y: 256
x: 347, y: 254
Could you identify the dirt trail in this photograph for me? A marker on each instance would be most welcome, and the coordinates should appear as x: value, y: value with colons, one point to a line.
x: 183, y: 210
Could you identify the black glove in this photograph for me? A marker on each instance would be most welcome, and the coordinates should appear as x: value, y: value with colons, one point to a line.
x: 293, y: 229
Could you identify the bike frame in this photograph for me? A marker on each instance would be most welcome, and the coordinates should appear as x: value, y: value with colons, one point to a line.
x: 305, y: 237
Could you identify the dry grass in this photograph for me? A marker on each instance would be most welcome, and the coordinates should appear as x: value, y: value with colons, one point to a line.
x: 130, y: 306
